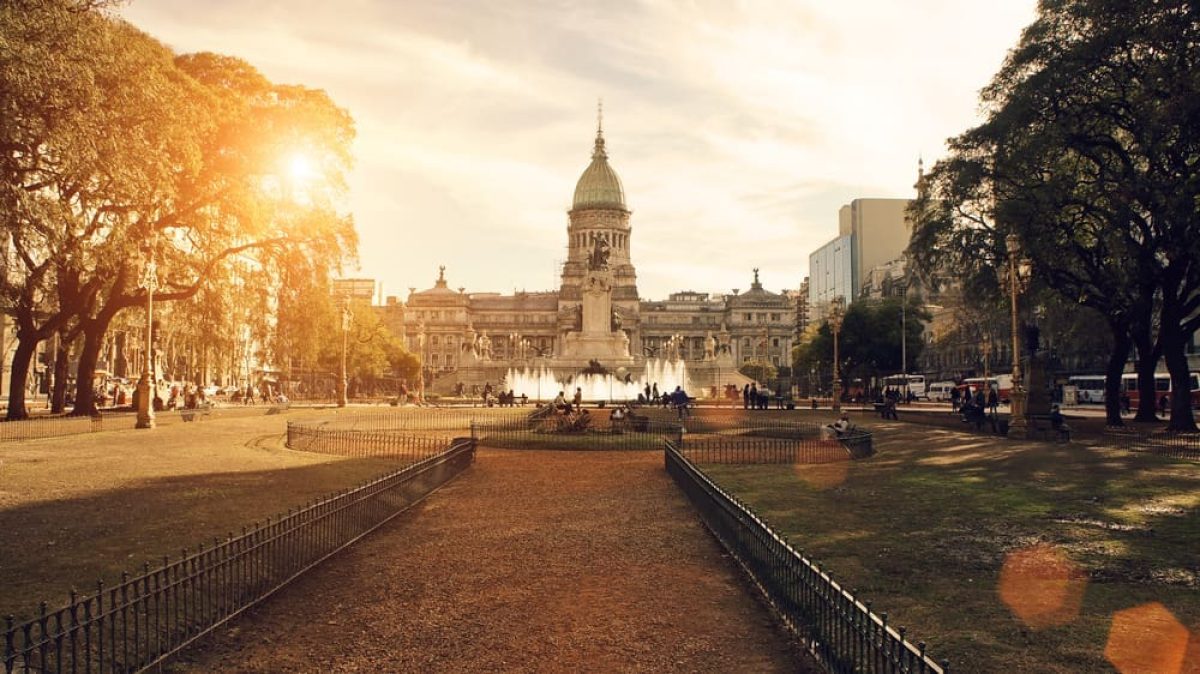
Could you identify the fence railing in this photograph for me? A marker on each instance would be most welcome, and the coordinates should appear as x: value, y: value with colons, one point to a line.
x: 841, y: 631
x: 360, y: 444
x: 48, y: 427
x: 555, y: 432
x: 1166, y: 443
x: 742, y: 449
x: 141, y: 621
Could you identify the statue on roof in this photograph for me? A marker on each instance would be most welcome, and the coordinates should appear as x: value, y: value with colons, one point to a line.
x: 598, y: 260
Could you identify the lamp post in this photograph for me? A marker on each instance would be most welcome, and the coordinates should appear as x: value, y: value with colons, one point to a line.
x: 145, y: 411
x: 904, y: 337
x: 1017, y: 427
x: 836, y: 314
x: 343, y: 383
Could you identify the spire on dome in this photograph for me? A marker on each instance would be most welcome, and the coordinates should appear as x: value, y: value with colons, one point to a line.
x: 598, y: 152
x: 599, y: 186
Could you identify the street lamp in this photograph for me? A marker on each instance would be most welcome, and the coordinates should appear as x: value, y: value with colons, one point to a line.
x: 904, y: 336
x: 1017, y: 423
x: 836, y: 314
x: 343, y: 383
x: 145, y: 411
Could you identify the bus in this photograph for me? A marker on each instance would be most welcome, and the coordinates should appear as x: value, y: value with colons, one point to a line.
x: 1089, y: 388
x: 1162, y: 386
x: 1001, y: 382
x: 915, y: 383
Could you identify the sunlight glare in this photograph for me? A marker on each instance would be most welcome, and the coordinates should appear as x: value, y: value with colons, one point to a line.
x: 301, y: 168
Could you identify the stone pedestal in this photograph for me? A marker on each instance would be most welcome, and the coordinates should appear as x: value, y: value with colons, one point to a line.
x: 145, y: 403
x: 597, y: 340
x: 1017, y: 425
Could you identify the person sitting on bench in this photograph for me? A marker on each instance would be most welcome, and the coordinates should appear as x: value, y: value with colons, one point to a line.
x: 839, y: 428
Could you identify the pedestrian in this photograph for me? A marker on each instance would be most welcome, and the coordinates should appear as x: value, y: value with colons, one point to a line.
x: 680, y: 400
x: 746, y: 397
x: 578, y: 399
x: 753, y: 395
x: 993, y: 401
x: 955, y: 395
x: 1163, y: 403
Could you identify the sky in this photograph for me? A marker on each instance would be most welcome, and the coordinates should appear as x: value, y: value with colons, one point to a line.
x: 737, y: 128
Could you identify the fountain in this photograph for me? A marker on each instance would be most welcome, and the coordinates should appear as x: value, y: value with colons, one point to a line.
x: 541, y: 383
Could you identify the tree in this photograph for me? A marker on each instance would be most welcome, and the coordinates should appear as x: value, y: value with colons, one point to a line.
x: 759, y: 371
x: 227, y: 204
x: 86, y: 136
x: 1088, y: 156
x: 869, y: 344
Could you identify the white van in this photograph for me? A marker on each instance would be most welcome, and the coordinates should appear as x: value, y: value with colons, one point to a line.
x: 940, y: 390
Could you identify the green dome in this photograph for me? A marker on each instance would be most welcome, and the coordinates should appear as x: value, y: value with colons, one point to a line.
x: 599, y: 186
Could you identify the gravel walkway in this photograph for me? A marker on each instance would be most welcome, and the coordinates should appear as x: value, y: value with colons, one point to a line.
x: 546, y: 561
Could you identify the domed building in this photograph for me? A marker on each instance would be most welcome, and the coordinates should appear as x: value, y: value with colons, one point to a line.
x: 595, y: 314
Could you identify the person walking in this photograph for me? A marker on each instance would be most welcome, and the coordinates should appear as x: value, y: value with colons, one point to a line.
x: 679, y: 398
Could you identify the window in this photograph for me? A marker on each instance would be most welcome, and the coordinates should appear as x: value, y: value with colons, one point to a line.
x: 775, y: 317
x: 775, y: 342
x: 747, y: 317
x: 746, y: 342
x: 695, y: 320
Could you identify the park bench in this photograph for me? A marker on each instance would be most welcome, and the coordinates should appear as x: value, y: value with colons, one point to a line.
x: 979, y: 418
x: 1043, y: 425
x: 198, y: 412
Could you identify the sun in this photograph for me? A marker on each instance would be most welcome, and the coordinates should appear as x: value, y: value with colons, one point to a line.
x: 301, y: 168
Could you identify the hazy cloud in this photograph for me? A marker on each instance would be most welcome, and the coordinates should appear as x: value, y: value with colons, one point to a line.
x: 737, y: 128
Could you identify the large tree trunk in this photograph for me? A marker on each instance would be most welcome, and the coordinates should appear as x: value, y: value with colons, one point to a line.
x: 1174, y: 347
x: 1112, y: 374
x: 62, y: 361
x: 89, y: 355
x: 19, y: 377
x: 1148, y: 354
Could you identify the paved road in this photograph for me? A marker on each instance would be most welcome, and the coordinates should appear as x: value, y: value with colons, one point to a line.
x: 580, y: 561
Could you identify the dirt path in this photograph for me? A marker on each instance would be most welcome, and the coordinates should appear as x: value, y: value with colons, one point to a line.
x: 547, y: 561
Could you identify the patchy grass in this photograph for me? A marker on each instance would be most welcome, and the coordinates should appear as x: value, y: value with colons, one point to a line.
x: 924, y: 530
x: 81, y: 508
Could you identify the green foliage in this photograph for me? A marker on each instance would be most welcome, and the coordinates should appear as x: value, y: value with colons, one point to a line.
x: 118, y: 151
x: 869, y: 343
x: 372, y: 350
x: 1088, y: 157
x: 760, y: 372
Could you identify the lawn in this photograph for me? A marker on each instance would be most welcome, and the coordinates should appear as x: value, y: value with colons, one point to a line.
x: 1092, y: 537
x: 87, y: 507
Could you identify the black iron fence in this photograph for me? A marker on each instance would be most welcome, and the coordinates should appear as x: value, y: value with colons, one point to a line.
x: 141, y: 621
x: 48, y: 427
x: 844, y: 633
x: 567, y: 432
x: 744, y: 449
x: 314, y: 438
x: 1167, y: 443
x: 456, y: 420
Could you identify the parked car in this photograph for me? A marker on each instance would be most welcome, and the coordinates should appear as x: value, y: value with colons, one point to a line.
x: 940, y: 390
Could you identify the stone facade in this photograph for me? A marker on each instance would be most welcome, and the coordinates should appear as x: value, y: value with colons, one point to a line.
x: 470, y: 337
